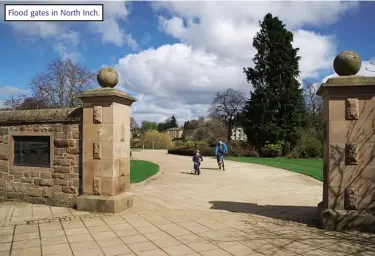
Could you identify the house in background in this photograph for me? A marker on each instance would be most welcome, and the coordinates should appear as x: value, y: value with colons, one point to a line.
x: 238, y: 134
x: 175, y: 133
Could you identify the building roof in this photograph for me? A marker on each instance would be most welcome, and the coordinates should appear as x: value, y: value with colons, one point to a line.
x: 174, y: 129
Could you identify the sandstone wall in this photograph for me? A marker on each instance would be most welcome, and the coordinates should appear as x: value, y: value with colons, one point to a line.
x: 58, y: 185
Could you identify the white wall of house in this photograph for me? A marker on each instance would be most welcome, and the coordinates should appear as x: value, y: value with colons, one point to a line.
x: 238, y: 134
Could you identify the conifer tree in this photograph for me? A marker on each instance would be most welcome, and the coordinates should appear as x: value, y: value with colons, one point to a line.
x: 276, y: 105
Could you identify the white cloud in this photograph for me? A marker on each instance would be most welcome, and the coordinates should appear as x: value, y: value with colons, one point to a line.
x: 40, y: 29
x: 316, y: 51
x: 66, y: 45
x: 216, y: 43
x: 228, y: 30
x: 12, y: 91
x: 110, y: 30
x: 175, y: 79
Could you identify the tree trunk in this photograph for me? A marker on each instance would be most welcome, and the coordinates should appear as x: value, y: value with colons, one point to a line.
x: 229, y: 130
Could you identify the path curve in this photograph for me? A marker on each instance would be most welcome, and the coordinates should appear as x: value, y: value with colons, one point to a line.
x: 243, y: 187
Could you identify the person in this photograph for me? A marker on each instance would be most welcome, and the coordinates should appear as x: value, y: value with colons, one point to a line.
x: 197, y: 158
x: 221, y: 150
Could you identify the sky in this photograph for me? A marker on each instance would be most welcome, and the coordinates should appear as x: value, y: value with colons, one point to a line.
x: 174, y: 56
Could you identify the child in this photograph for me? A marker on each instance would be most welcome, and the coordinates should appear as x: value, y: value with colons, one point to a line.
x: 197, y: 158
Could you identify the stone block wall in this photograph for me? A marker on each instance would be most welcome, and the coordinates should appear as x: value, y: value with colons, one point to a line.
x: 349, y: 160
x: 58, y: 185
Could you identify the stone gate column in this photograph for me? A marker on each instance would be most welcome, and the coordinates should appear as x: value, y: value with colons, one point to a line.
x: 106, y: 147
x: 349, y: 147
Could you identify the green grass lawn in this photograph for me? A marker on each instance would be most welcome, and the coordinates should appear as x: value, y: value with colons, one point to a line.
x: 141, y: 170
x: 310, y: 167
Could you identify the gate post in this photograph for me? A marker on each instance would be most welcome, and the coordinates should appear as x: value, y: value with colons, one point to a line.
x: 106, y: 147
x: 349, y: 148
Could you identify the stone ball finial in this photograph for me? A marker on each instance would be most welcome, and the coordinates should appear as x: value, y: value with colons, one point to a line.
x: 107, y: 78
x: 347, y: 63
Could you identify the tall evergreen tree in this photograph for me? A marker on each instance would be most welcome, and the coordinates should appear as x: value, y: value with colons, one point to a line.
x: 276, y: 105
x: 173, y: 122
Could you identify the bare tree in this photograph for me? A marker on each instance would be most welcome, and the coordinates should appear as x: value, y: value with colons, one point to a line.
x: 60, y: 84
x: 25, y: 102
x: 226, y: 105
x: 209, y: 131
x: 372, y: 62
x: 133, y: 124
x: 314, y: 104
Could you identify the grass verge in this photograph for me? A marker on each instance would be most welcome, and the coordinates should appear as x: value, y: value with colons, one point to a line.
x: 141, y: 170
x: 310, y: 167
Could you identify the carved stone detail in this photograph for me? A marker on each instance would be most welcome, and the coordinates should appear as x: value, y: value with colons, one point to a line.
x: 97, y: 188
x: 352, y: 109
x: 122, y: 167
x: 98, y: 111
x: 122, y: 133
x: 97, y: 152
x: 351, y: 154
x: 350, y: 199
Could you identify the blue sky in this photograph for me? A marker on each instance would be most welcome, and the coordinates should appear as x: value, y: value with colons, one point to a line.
x: 174, y: 64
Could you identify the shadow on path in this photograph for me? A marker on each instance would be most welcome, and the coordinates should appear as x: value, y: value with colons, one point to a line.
x: 192, y: 173
x: 212, y: 169
x: 300, y: 214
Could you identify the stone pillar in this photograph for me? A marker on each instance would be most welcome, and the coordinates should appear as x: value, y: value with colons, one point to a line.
x: 349, y: 148
x: 106, y: 147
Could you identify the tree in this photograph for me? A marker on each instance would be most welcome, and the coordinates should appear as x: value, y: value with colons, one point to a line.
x: 372, y: 62
x: 189, y: 127
x: 148, y: 126
x: 173, y: 122
x: 163, y: 126
x: 133, y: 124
x: 22, y: 102
x: 170, y: 122
x: 134, y: 128
x: 226, y: 105
x: 314, y: 106
x: 60, y: 84
x: 276, y: 105
x: 210, y: 131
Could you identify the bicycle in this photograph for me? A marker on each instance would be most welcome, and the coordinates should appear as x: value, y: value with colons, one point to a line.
x: 197, y: 169
x: 221, y: 162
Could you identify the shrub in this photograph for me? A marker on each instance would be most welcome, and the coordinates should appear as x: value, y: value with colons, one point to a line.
x: 201, y: 144
x: 309, y: 144
x: 271, y: 150
x: 178, y: 143
x: 235, y: 149
x: 189, y: 144
x: 208, y: 151
x: 313, y: 149
x: 184, y: 151
x: 239, y: 148
x: 251, y: 153
x: 135, y: 143
x: 162, y: 140
x: 286, y: 148
x: 292, y: 155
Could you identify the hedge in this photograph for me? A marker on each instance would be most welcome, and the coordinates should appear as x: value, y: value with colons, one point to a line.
x: 187, y: 151
x: 209, y: 151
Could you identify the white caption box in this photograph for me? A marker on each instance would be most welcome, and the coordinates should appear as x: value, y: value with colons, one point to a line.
x: 54, y: 12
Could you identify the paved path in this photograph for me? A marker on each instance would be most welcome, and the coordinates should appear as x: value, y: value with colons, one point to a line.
x: 243, y: 187
x: 181, y: 214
